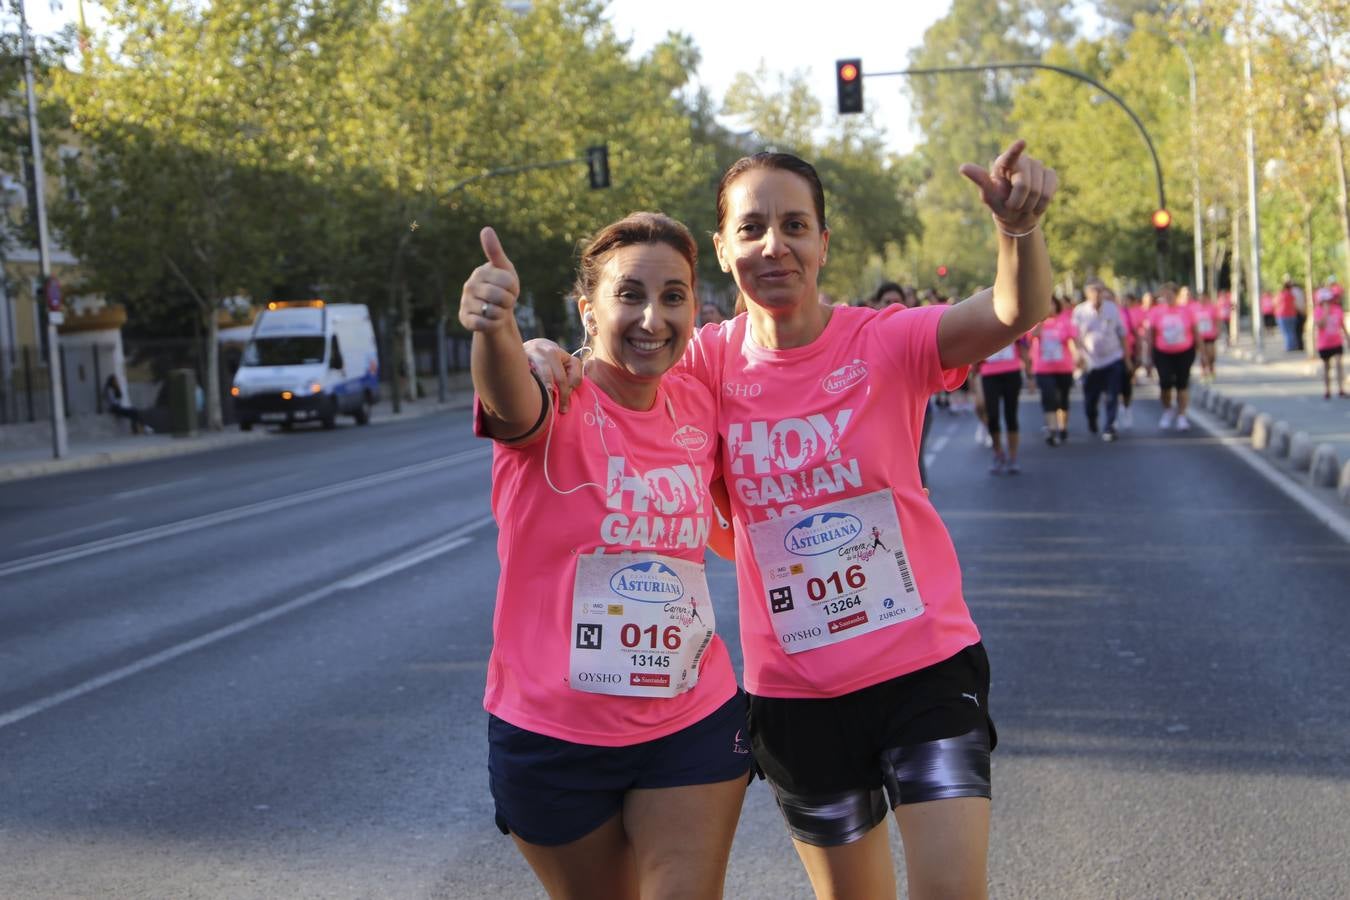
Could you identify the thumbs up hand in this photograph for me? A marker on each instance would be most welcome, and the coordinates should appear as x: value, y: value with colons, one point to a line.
x: 489, y: 296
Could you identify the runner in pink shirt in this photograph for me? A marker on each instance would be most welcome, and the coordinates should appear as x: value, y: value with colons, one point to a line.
x: 1206, y: 317
x: 616, y: 742
x: 1054, y: 347
x: 1171, y: 330
x: 867, y: 675
x: 1331, y: 329
x: 1225, y: 305
x: 1001, y: 386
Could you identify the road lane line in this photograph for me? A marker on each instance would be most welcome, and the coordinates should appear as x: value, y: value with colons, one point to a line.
x: 55, y: 557
x: 154, y: 488
x: 455, y: 538
x: 72, y: 532
x: 1241, y: 447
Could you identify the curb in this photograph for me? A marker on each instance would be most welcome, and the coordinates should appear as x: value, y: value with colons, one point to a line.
x: 1264, y: 443
x: 231, y: 437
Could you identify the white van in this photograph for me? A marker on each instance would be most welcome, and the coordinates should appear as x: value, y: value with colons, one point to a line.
x: 308, y: 360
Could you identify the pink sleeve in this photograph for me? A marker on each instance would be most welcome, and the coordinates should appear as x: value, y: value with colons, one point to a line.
x: 702, y: 357
x: 910, y: 339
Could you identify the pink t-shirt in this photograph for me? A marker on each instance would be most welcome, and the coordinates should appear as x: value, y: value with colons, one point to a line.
x: 648, y: 474
x: 1206, y: 321
x: 811, y: 435
x: 1050, y: 352
x: 1009, y: 359
x: 1173, y: 328
x: 1330, y: 317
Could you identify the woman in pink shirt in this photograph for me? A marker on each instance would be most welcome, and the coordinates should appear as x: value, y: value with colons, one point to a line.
x: 1171, y: 331
x: 1206, y: 316
x: 868, y: 680
x: 1054, y: 347
x: 1331, y: 328
x: 617, y: 756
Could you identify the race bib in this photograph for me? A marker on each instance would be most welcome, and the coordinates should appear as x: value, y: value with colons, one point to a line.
x: 1004, y: 355
x: 1173, y: 330
x: 1052, y: 348
x: 640, y: 624
x: 835, y: 572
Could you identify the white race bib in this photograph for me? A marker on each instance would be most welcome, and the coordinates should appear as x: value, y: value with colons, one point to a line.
x: 640, y: 624
x: 1052, y: 348
x: 1173, y: 330
x: 835, y: 572
x: 1004, y: 355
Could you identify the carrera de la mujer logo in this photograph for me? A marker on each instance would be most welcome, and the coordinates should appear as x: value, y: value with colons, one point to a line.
x: 821, y: 533
x: 647, y: 582
x: 845, y: 377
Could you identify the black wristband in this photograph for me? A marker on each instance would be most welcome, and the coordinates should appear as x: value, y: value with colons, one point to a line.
x: 543, y: 412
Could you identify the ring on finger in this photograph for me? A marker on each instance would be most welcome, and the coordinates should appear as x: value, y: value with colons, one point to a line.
x: 483, y: 311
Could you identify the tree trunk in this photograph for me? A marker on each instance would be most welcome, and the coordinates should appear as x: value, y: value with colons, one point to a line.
x: 215, y: 421
x: 406, y: 344
x: 1235, y: 272
x: 1338, y: 157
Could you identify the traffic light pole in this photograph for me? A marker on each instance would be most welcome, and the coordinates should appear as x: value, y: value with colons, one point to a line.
x: 1072, y: 73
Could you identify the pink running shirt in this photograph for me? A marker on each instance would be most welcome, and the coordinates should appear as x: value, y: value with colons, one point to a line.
x: 835, y: 421
x: 1173, y: 328
x: 653, y: 471
x: 1206, y: 321
x: 1009, y: 359
x: 1330, y: 317
x: 1050, y: 352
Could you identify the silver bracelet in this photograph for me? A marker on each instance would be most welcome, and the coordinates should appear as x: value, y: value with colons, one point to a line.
x: 1018, y: 235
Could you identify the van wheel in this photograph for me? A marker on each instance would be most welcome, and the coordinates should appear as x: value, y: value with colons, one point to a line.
x: 329, y: 415
x: 362, y: 414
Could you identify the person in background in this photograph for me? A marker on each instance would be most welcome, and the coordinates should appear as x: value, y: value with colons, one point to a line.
x: 1054, y: 346
x: 1001, y: 385
x: 710, y: 312
x: 1206, y: 317
x: 1285, y: 311
x: 1225, y: 306
x: 1331, y: 329
x: 112, y: 396
x: 1101, y: 339
x: 1171, y: 333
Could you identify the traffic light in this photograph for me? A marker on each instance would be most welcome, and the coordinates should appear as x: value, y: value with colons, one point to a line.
x: 597, y: 160
x: 942, y: 271
x: 848, y: 79
x: 1162, y: 221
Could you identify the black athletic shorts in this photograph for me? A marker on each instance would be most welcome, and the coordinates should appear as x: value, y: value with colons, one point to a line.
x: 1330, y: 352
x: 817, y: 747
x: 1174, y: 369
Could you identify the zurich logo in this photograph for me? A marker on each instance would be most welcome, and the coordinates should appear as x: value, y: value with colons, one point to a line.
x: 888, y: 602
x: 821, y: 533
x: 845, y: 377
x: 647, y: 582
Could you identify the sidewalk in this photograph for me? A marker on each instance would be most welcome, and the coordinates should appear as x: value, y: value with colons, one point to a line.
x: 1273, y: 407
x: 100, y: 441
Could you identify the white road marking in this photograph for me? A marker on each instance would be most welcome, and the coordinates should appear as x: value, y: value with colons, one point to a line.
x: 1242, y: 448
x: 55, y: 557
x: 154, y: 488
x: 456, y: 538
x: 936, y: 446
x: 72, y: 532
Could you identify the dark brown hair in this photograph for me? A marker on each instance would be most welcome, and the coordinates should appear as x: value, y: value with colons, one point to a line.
x: 634, y: 229
x: 785, y: 162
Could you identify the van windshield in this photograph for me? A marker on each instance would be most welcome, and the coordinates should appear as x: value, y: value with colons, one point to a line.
x: 284, y: 351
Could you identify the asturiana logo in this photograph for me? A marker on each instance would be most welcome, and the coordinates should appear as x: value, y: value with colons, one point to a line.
x: 690, y: 438
x: 647, y: 582
x: 845, y: 377
x: 821, y: 533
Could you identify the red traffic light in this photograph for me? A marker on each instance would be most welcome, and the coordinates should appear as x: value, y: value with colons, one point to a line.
x: 849, y: 85
x: 1161, y: 219
x: 848, y: 72
x: 942, y: 271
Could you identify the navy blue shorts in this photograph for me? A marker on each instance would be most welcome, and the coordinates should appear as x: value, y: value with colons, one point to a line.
x: 550, y: 792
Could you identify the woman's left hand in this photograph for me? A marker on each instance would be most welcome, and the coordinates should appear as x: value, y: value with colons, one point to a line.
x: 1016, y: 188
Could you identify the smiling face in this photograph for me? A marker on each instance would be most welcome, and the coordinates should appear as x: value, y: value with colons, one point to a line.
x: 642, y: 309
x: 772, y: 241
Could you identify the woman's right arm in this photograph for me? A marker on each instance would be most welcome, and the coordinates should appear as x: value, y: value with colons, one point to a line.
x: 513, y: 404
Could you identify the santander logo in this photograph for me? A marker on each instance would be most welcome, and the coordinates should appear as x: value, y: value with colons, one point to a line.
x: 845, y: 377
x: 690, y: 438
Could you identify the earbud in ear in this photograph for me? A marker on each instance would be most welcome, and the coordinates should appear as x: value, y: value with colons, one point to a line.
x: 589, y: 320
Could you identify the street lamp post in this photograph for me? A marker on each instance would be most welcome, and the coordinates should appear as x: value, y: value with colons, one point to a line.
x: 1199, y: 281
x: 58, y: 406
x: 1253, y: 204
x: 1072, y: 73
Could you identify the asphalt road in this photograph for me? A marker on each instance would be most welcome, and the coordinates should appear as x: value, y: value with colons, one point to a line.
x: 258, y: 673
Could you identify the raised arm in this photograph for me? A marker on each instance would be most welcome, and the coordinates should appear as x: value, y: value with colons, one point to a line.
x: 513, y: 404
x: 1016, y: 189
